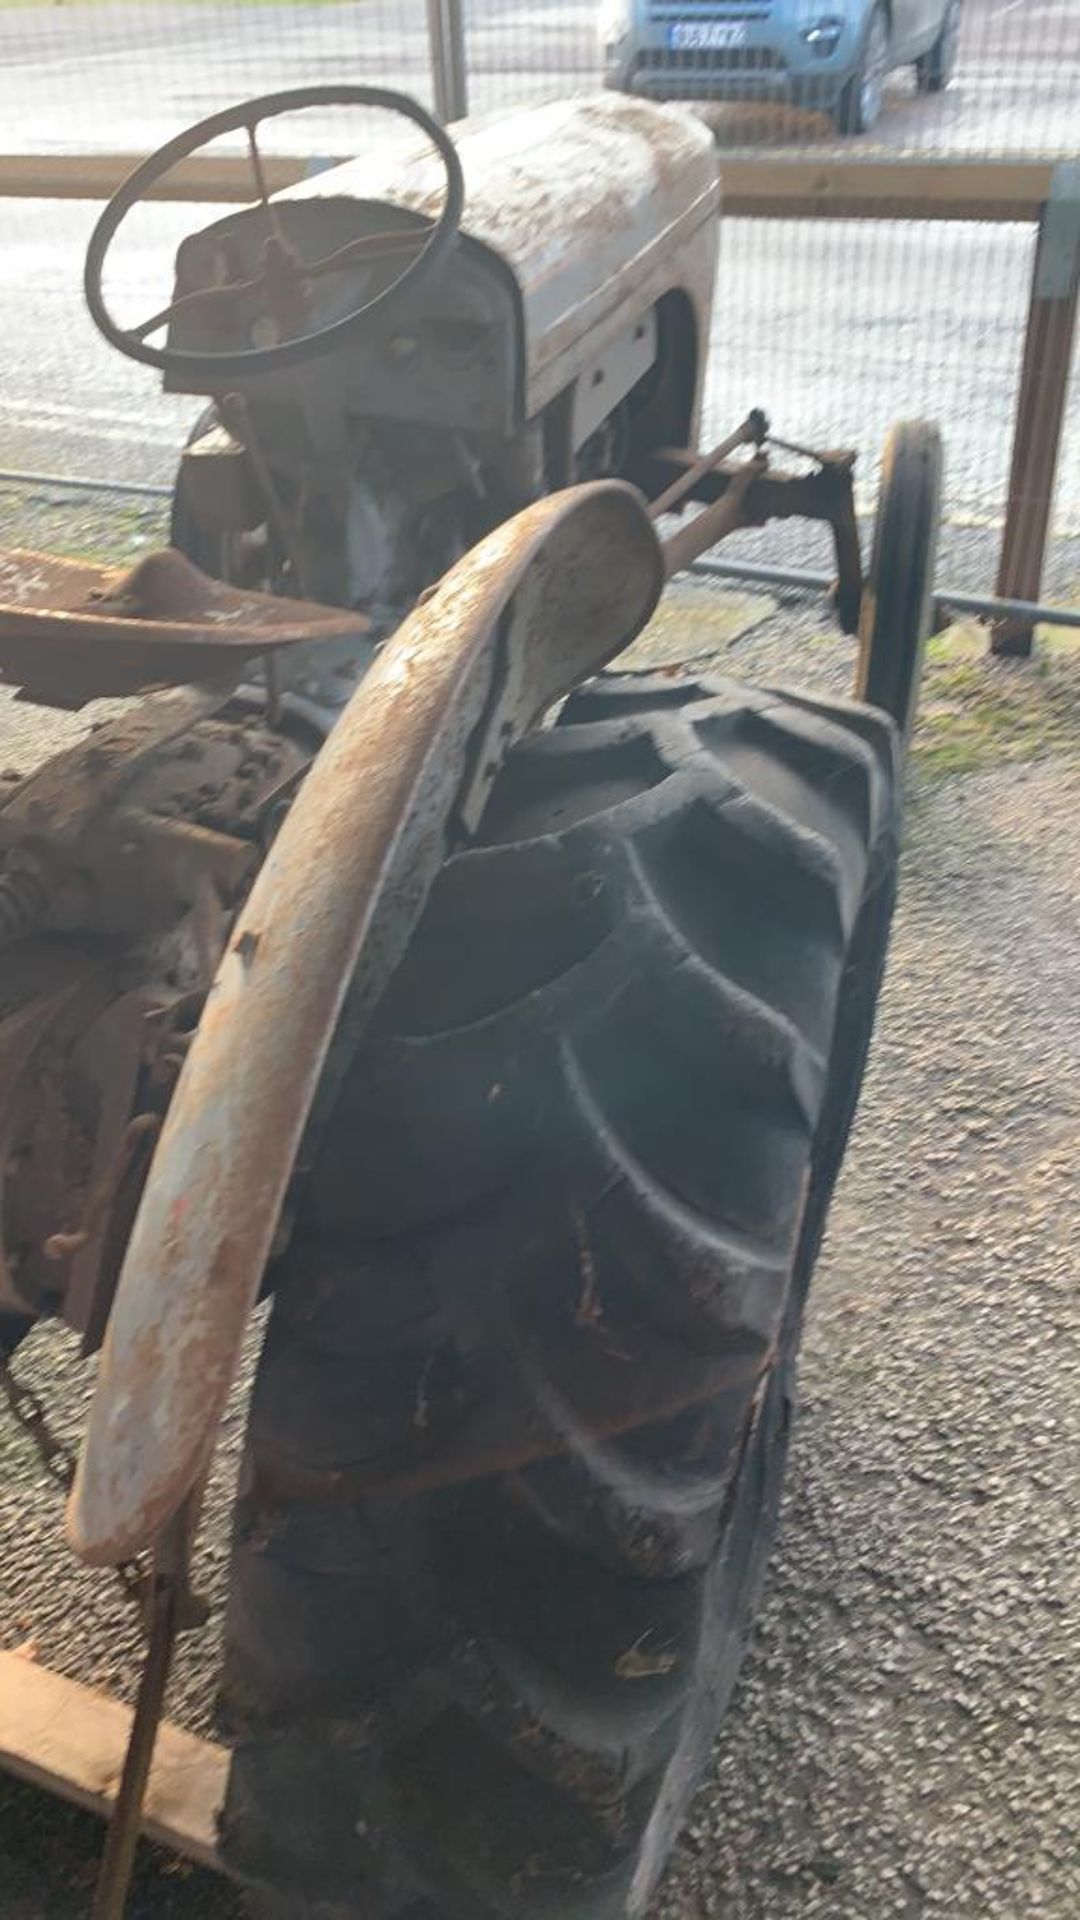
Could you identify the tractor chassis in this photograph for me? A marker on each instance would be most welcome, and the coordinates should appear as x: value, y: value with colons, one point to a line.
x: 510, y: 629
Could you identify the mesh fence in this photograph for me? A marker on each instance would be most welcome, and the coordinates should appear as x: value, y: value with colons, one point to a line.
x: 91, y: 74
x: 836, y: 328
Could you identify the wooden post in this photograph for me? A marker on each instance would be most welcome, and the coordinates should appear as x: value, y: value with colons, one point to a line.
x: 1040, y: 409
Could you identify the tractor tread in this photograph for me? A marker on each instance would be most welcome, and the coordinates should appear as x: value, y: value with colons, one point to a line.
x: 537, y: 1319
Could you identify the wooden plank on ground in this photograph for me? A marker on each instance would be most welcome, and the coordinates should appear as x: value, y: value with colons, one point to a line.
x: 71, y: 1739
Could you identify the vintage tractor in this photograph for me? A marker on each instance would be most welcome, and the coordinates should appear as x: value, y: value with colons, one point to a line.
x: 387, y: 949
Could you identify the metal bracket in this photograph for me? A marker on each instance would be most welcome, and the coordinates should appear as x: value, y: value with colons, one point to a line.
x: 1057, y: 262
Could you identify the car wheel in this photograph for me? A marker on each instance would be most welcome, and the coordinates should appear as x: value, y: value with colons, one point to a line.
x: 859, y: 107
x: 934, y: 69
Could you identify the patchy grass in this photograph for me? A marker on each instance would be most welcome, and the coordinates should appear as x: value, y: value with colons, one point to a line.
x: 695, y: 622
x: 50, y: 1861
x: 109, y: 529
x: 976, y: 711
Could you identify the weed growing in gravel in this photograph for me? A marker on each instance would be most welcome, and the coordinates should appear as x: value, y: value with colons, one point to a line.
x: 977, y: 711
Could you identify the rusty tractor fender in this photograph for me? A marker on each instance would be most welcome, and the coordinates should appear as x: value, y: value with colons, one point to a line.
x: 535, y: 608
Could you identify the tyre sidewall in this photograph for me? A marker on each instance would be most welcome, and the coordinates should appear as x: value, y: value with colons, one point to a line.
x: 851, y: 117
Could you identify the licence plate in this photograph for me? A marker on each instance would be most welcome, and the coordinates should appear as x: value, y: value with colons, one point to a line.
x: 701, y: 36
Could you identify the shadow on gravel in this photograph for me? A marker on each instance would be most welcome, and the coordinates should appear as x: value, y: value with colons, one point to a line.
x: 49, y: 1861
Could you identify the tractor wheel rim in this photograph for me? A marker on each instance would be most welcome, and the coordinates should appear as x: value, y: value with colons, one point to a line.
x: 873, y: 82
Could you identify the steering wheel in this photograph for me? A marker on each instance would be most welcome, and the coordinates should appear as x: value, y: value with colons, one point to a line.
x: 284, y: 278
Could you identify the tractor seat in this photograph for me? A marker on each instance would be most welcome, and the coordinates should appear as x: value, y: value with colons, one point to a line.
x: 71, y: 631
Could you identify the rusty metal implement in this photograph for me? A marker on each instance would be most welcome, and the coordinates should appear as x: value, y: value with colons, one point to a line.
x: 751, y: 433
x: 71, y: 631
x: 535, y: 608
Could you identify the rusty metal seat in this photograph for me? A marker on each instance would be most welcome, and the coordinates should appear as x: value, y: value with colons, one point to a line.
x: 71, y: 631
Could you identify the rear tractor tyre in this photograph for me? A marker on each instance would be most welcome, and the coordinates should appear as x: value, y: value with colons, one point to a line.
x: 519, y: 1425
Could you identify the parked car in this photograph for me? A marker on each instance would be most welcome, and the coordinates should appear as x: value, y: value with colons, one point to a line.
x: 833, y: 55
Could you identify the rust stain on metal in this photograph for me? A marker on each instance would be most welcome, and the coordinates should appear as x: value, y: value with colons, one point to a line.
x: 566, y: 166
x: 60, y: 1246
x: 825, y: 494
x: 751, y: 432
x: 70, y: 788
x: 71, y: 631
x: 580, y: 199
x: 542, y: 602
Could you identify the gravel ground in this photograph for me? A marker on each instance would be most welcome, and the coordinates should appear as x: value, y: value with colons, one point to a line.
x: 906, y: 1735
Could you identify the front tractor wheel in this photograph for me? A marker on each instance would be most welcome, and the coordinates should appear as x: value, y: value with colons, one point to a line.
x: 519, y: 1425
x: 897, y: 614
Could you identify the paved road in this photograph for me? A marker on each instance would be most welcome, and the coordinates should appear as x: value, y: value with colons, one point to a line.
x: 129, y: 75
